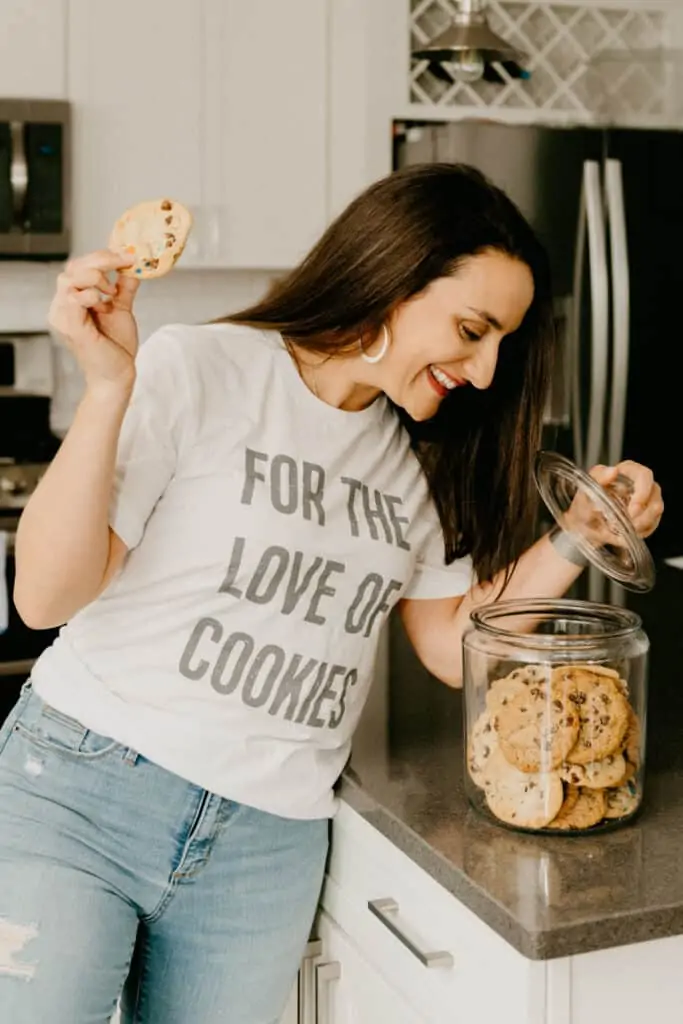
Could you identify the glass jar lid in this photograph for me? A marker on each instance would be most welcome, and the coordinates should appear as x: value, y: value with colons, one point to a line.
x: 596, y: 519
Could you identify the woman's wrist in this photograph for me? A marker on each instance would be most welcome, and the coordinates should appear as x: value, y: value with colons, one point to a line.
x: 566, y: 548
x: 115, y: 394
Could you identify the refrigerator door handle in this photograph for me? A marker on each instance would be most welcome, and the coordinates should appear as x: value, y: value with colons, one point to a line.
x: 621, y: 315
x: 574, y: 339
x: 621, y: 311
x: 599, y: 279
x: 599, y: 287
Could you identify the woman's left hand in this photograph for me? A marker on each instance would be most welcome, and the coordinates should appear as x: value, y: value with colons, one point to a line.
x: 645, y: 505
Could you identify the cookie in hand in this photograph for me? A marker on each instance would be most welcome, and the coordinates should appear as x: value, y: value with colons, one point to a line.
x: 154, y: 233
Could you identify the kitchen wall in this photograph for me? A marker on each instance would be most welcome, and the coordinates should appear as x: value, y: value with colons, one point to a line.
x: 188, y: 296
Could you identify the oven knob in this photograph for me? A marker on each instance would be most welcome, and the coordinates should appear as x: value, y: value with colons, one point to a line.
x: 12, y: 487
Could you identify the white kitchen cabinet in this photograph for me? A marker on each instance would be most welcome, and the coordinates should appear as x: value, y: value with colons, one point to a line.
x: 291, y: 1014
x: 348, y: 990
x: 220, y: 104
x: 33, y: 49
x: 136, y: 79
x: 629, y: 984
x: 434, y: 954
x: 266, y: 124
x: 383, y: 977
x: 264, y: 117
x: 369, y: 76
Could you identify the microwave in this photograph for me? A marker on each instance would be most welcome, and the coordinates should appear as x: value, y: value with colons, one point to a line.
x: 35, y: 179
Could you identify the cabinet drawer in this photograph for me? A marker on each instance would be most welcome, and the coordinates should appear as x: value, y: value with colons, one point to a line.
x: 426, y: 944
x: 357, y: 993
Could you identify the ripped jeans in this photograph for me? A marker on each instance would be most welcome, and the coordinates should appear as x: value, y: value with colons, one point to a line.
x: 118, y: 875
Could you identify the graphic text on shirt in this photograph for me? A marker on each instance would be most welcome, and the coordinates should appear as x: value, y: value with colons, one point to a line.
x: 292, y: 685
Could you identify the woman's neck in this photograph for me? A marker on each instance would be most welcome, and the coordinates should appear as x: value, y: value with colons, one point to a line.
x: 339, y: 381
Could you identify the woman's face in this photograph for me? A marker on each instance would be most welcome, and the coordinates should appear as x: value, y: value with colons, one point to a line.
x: 448, y: 336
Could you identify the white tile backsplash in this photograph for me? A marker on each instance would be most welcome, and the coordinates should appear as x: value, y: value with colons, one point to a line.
x: 186, y: 296
x: 192, y: 296
x: 25, y: 291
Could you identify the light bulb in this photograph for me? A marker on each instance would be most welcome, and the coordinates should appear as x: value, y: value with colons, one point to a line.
x: 468, y: 65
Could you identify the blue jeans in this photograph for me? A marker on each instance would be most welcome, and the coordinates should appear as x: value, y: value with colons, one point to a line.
x: 118, y: 875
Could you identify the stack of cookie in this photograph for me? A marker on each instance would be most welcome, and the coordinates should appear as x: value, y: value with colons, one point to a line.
x: 557, y: 747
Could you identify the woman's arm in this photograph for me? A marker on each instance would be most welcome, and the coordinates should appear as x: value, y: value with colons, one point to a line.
x: 435, y: 628
x: 65, y: 552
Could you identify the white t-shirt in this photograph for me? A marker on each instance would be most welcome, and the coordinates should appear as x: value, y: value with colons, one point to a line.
x: 269, y: 534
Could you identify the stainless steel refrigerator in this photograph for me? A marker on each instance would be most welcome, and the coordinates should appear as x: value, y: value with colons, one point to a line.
x: 608, y: 204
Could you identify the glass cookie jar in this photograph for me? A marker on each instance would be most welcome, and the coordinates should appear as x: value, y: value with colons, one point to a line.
x: 555, y: 697
x: 555, y: 690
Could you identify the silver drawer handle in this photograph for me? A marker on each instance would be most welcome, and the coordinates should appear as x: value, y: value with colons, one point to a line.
x: 387, y: 910
x: 307, y: 990
x: 324, y: 974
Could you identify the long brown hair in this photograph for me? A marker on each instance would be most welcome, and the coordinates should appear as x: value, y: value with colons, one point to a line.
x: 402, y: 233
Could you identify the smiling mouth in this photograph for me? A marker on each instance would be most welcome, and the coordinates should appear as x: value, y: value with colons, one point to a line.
x: 442, y: 382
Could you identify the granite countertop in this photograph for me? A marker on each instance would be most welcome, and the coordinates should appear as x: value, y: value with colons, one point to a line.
x: 549, y: 896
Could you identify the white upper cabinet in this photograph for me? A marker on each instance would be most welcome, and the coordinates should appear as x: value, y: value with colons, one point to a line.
x: 369, y: 65
x: 32, y: 49
x: 267, y: 125
x: 263, y: 116
x: 220, y: 104
x: 136, y: 74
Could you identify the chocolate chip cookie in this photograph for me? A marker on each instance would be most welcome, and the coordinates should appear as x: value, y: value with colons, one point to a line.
x: 484, y: 756
x: 611, y: 771
x: 632, y: 739
x: 571, y: 797
x: 621, y: 802
x: 587, y: 810
x: 538, y: 728
x: 602, y: 710
x: 154, y: 233
x: 525, y: 800
x: 518, y: 681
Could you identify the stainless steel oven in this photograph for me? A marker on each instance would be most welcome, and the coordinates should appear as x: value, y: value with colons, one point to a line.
x: 19, y: 645
x: 35, y: 179
x: 26, y: 447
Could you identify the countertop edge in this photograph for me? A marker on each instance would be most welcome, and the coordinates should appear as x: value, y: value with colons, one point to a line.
x: 533, y: 944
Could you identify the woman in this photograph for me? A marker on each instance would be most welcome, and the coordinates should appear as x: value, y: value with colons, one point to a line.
x: 226, y: 527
